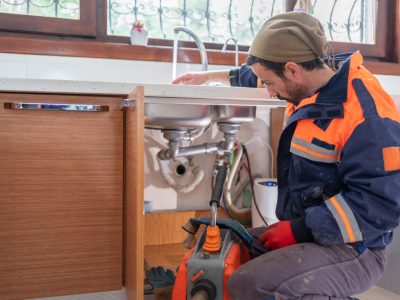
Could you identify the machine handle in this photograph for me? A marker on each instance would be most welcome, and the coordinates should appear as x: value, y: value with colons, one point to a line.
x: 56, y: 107
x: 219, y: 185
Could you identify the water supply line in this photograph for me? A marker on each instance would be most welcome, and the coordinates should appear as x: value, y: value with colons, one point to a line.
x: 241, y: 214
x: 199, y: 44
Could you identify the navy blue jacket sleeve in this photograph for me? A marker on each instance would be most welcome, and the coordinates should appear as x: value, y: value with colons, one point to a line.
x: 243, y: 77
x: 368, y: 209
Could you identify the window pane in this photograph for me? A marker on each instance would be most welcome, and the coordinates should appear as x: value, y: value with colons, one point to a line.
x: 216, y: 20
x: 212, y: 20
x: 347, y: 21
x: 63, y: 9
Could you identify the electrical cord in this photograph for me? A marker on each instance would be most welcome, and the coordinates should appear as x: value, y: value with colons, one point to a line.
x: 252, y: 184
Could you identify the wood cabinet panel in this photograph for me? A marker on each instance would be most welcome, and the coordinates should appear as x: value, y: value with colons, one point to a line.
x: 163, y: 228
x: 61, y: 182
x: 134, y: 197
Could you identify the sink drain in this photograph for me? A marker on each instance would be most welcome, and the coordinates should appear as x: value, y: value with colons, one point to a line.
x: 180, y: 170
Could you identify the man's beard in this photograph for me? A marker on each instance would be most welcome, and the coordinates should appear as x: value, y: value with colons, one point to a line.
x: 295, y: 93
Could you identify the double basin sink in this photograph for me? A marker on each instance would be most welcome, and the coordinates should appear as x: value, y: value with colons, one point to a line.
x: 166, y: 116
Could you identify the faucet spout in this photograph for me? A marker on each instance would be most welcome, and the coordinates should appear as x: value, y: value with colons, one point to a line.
x: 235, y: 42
x: 199, y: 44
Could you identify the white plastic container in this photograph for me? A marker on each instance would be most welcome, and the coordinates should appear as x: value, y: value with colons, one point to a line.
x: 266, y: 194
x: 139, y: 34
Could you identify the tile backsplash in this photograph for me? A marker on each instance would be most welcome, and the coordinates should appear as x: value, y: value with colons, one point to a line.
x: 90, y: 69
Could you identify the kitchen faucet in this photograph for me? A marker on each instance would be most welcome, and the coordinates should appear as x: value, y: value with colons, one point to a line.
x: 199, y: 44
x: 235, y: 42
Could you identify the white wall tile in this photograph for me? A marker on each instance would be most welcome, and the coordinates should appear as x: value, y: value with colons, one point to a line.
x: 159, y: 72
x: 390, y: 83
x: 12, y: 65
x: 75, y: 68
x: 148, y: 72
x: 91, y: 69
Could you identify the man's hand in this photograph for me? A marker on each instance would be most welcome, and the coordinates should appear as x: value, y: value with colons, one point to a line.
x: 192, y: 78
x: 199, y: 78
x: 278, y: 235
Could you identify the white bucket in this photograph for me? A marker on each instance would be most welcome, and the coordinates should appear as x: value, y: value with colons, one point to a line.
x: 266, y: 195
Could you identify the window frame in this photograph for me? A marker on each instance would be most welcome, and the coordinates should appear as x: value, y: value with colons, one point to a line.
x: 380, y: 48
x: 383, y: 57
x: 85, y: 26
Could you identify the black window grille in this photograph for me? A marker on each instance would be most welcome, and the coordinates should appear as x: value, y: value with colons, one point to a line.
x: 217, y: 20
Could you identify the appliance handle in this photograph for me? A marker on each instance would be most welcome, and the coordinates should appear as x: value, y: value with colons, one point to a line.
x: 56, y: 107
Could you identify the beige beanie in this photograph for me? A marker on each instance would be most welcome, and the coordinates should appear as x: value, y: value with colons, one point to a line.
x: 293, y: 36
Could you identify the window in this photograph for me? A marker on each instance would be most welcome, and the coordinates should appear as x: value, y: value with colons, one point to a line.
x: 215, y: 21
x: 67, y: 9
x: 347, y: 21
x: 100, y: 28
x: 352, y: 25
x: 61, y: 17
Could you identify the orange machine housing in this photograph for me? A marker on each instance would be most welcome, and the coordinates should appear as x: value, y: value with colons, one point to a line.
x: 237, y: 255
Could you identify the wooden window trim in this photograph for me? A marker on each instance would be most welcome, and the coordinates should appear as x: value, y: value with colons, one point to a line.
x: 95, y: 49
x: 395, y: 42
x: 115, y: 47
x: 380, y: 48
x: 85, y: 26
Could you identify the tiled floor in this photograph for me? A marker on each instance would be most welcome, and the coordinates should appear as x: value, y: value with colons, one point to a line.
x: 376, y: 293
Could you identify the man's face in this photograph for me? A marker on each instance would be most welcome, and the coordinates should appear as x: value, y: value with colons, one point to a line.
x: 291, y: 88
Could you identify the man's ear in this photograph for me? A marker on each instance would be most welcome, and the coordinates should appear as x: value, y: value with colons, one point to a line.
x: 292, y: 70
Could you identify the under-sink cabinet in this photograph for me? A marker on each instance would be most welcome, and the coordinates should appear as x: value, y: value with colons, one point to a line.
x: 72, y: 188
x: 62, y: 169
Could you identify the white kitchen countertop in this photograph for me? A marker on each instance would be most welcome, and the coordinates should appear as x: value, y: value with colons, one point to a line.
x: 154, y: 93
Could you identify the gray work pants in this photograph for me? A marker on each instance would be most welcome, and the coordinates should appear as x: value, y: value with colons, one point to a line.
x: 308, y: 271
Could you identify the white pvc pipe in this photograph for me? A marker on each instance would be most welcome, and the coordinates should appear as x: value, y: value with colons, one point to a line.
x: 170, y: 180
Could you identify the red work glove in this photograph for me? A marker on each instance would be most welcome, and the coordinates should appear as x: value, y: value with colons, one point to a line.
x: 278, y: 235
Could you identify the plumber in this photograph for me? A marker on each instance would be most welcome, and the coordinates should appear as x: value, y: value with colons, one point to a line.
x: 338, y: 166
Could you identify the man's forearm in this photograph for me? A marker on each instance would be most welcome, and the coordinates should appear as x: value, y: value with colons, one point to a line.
x: 219, y: 76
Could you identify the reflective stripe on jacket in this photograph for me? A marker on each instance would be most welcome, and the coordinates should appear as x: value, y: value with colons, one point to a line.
x: 339, y: 161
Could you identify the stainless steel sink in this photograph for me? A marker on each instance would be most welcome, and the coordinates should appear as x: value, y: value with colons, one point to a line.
x: 189, y: 117
x: 234, y: 114
x: 177, y: 116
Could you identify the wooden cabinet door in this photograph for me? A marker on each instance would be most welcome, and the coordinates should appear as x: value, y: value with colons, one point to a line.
x: 134, y: 196
x: 61, y: 199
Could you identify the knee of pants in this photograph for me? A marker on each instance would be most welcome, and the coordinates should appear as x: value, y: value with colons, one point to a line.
x: 243, y: 284
x: 239, y: 284
x: 233, y: 285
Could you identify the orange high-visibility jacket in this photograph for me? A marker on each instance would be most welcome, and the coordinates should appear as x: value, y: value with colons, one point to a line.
x: 339, y: 161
